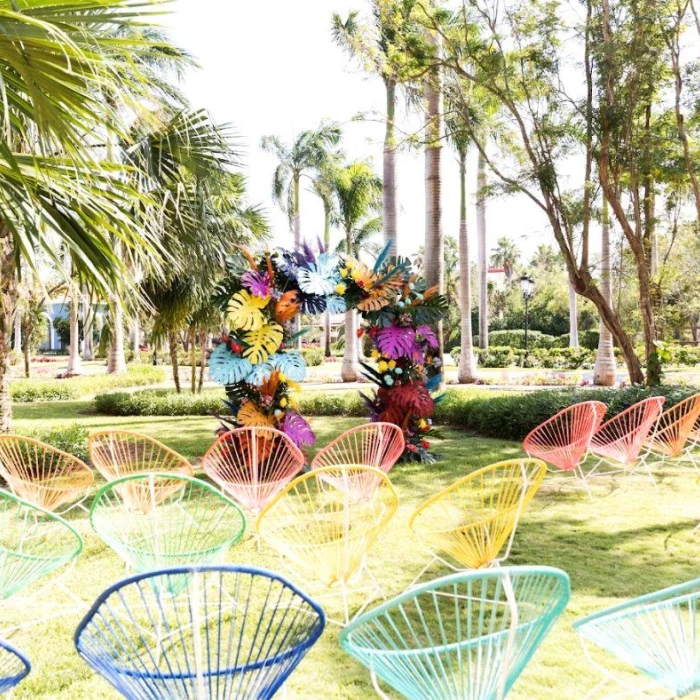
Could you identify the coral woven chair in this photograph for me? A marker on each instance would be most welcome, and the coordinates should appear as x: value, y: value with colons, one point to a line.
x: 325, y: 533
x: 378, y: 445
x: 472, y: 520
x: 43, y: 475
x: 253, y: 464
x: 465, y: 636
x: 564, y: 439
x: 657, y: 634
x: 671, y: 437
x: 14, y: 666
x: 619, y: 441
x: 154, y: 521
x: 235, y: 632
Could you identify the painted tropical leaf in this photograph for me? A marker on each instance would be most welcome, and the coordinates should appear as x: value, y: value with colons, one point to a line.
x: 413, y: 397
x: 260, y: 373
x: 428, y: 335
x: 262, y: 342
x: 250, y: 416
x: 336, y: 304
x: 287, y: 307
x: 290, y: 363
x: 245, y: 311
x: 393, y: 414
x: 225, y: 367
x: 269, y: 386
x: 297, y: 429
x: 319, y: 277
x: 312, y: 303
x: 396, y: 341
x: 259, y: 285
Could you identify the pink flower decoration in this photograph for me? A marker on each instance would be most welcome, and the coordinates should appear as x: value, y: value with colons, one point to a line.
x: 259, y: 285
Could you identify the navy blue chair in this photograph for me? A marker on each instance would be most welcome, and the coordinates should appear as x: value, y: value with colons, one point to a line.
x: 228, y: 632
x: 14, y: 666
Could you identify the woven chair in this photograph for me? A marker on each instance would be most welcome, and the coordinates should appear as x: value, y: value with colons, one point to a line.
x: 465, y: 636
x: 191, y: 524
x: 657, y: 634
x: 619, y: 442
x: 670, y: 439
x: 472, y: 520
x: 378, y: 445
x: 235, y: 632
x: 323, y: 531
x: 14, y: 666
x: 43, y: 475
x: 564, y: 439
x: 253, y: 464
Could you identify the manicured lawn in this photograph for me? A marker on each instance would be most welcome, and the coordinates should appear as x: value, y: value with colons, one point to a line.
x: 629, y: 540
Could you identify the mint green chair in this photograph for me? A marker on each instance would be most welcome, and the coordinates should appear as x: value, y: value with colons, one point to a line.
x: 468, y: 635
x: 658, y: 634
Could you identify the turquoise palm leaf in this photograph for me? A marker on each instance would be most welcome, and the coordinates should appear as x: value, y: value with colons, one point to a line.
x: 290, y: 363
x: 320, y: 277
x: 336, y: 304
x: 260, y: 373
x: 225, y: 367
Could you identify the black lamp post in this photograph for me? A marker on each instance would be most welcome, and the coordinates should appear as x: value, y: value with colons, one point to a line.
x: 527, y: 284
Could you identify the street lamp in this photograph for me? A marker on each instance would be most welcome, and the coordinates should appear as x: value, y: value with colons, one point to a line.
x: 527, y: 284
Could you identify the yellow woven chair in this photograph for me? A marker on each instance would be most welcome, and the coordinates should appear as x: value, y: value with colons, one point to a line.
x: 43, y: 475
x: 323, y: 531
x: 473, y: 519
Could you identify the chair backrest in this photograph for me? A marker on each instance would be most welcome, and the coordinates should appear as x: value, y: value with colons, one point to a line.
x: 158, y: 520
x: 472, y: 519
x: 117, y: 453
x: 14, y: 666
x: 563, y: 439
x: 656, y: 633
x: 253, y: 464
x: 321, y: 528
x: 233, y: 632
x: 42, y: 474
x: 33, y: 543
x: 468, y: 635
x: 623, y: 436
x: 674, y: 427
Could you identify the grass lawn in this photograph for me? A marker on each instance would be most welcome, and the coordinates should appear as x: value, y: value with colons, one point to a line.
x: 631, y: 539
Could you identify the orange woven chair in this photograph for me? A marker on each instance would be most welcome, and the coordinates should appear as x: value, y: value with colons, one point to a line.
x: 43, y: 475
x: 378, y: 445
x: 671, y: 438
x: 564, y: 439
x: 253, y: 464
x: 619, y: 442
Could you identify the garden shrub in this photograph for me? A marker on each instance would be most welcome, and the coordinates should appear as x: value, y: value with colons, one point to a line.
x: 72, y: 439
x: 586, y: 339
x: 313, y: 357
x: 31, y: 391
x: 553, y: 358
x: 516, y: 339
x: 496, y: 356
x: 159, y: 402
x: 332, y: 403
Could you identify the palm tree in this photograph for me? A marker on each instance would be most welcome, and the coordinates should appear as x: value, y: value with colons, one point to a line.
x: 309, y: 151
x: 605, y: 368
x: 506, y: 255
x: 358, y: 191
x: 481, y: 183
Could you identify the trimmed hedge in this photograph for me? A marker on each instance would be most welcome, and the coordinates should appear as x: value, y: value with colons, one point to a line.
x: 502, y: 357
x: 72, y: 439
x: 159, y: 402
x: 516, y: 339
x: 31, y: 391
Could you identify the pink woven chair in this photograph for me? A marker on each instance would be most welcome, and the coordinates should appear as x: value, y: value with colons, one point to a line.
x: 378, y: 445
x: 564, y: 439
x: 253, y: 464
x: 619, y: 442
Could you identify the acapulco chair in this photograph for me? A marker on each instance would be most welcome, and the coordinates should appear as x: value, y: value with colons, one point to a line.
x: 564, y: 439
x: 253, y: 464
x: 14, y: 666
x: 657, y: 634
x: 467, y: 636
x: 234, y: 632
x: 43, y: 475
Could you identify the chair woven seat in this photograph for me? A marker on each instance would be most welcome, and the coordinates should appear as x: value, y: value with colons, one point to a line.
x: 674, y: 428
x: 14, y: 666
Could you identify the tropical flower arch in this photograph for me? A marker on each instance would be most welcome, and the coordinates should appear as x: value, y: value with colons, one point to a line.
x: 263, y: 295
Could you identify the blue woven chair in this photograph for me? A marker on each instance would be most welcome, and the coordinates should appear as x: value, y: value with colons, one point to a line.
x: 234, y: 632
x: 468, y: 635
x: 14, y: 666
x: 658, y: 634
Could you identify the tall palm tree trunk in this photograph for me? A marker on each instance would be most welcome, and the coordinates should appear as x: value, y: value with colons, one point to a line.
x: 348, y: 370
x: 116, y: 362
x: 203, y: 343
x: 389, y: 170
x: 88, y: 321
x: 296, y: 214
x: 8, y: 307
x: 136, y: 338
x: 327, y: 315
x: 18, y: 332
x: 573, y: 317
x: 172, y: 347
x: 605, y: 368
x: 467, y: 364
x: 74, y: 365
x: 483, y: 253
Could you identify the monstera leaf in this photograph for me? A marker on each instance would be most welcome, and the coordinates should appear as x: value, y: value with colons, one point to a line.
x: 262, y: 342
x: 287, y: 307
x: 260, y: 373
x: 258, y: 284
x: 297, y: 429
x: 430, y: 310
x: 428, y: 335
x: 312, y: 303
x: 290, y: 363
x: 395, y: 342
x: 319, y: 277
x: 226, y: 367
x: 245, y: 311
x: 336, y: 304
x: 250, y: 416
x: 413, y: 397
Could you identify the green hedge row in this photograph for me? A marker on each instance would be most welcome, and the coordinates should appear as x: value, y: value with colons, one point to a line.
x: 516, y: 339
x: 501, y: 357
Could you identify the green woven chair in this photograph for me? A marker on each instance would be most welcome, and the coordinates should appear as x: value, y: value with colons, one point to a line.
x: 159, y: 520
x: 33, y: 543
x: 465, y: 636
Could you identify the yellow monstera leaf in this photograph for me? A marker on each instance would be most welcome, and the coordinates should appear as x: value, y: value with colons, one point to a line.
x: 250, y: 416
x: 262, y: 342
x: 245, y: 311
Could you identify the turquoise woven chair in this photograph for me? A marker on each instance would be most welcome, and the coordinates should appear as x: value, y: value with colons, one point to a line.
x: 658, y: 634
x: 468, y: 635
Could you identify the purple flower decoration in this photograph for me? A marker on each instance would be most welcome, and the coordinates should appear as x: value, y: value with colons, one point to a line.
x: 396, y: 341
x: 428, y: 334
x: 417, y: 354
x: 297, y: 429
x: 259, y: 285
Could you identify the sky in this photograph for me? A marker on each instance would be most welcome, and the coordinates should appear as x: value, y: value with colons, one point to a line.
x: 271, y: 67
